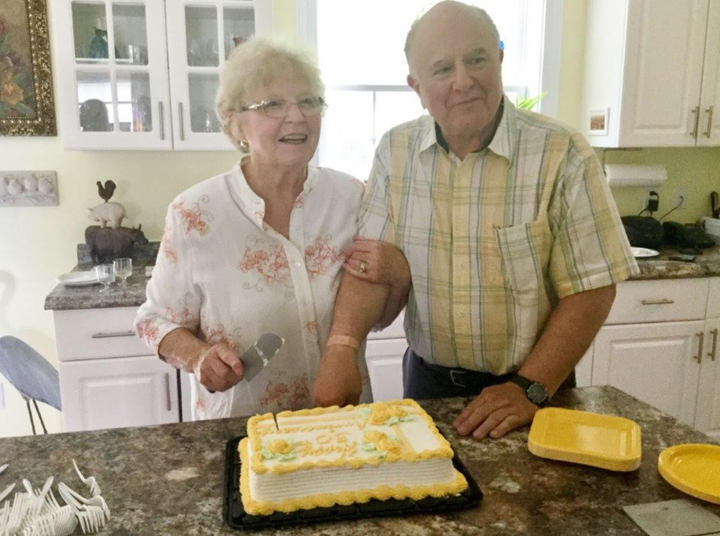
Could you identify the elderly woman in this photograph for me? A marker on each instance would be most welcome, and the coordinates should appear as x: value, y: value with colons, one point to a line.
x: 262, y: 247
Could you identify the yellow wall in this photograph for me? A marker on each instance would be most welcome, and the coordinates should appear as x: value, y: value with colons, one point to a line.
x: 698, y: 169
x: 37, y: 244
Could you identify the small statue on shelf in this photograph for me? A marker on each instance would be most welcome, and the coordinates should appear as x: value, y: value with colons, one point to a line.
x: 114, y: 242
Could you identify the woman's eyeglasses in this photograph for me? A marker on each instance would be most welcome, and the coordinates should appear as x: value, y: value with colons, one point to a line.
x: 308, y: 106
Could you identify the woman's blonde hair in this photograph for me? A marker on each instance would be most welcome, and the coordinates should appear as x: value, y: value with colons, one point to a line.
x: 255, y: 64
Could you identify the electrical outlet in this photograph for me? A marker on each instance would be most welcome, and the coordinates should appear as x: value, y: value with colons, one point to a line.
x: 680, y: 198
x: 651, y: 197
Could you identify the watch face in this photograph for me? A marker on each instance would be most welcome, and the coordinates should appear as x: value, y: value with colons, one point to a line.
x: 537, y: 393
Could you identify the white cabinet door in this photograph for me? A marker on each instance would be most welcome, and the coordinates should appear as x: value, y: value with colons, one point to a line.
x: 113, y: 393
x: 583, y: 370
x: 665, y: 43
x: 384, y: 360
x: 113, y: 84
x: 656, y: 363
x: 202, y: 34
x: 707, y: 414
x: 709, y: 129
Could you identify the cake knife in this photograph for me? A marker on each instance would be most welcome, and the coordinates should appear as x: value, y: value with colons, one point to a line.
x: 259, y: 355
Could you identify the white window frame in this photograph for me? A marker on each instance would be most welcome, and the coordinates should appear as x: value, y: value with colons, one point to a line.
x: 548, y: 77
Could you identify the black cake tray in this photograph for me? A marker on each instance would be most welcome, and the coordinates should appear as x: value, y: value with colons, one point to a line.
x: 235, y: 516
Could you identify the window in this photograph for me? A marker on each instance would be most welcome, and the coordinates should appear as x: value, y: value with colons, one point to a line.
x: 360, y: 50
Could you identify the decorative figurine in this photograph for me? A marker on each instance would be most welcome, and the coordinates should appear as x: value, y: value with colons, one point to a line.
x: 99, y: 44
x: 114, y: 242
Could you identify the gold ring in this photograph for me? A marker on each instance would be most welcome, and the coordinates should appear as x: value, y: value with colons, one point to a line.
x: 363, y: 268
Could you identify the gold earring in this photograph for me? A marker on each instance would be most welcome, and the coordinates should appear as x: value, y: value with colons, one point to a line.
x: 245, y: 146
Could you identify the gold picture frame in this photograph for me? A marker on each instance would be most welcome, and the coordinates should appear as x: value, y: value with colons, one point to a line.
x: 27, y: 106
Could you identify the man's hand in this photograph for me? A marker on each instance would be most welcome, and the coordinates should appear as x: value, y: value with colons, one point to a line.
x: 218, y: 368
x: 338, y: 379
x: 495, y: 411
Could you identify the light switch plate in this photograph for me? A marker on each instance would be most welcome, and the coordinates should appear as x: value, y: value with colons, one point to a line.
x: 674, y: 518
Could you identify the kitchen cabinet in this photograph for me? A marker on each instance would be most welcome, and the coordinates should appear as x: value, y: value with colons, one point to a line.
x: 143, y: 74
x: 707, y: 414
x: 660, y: 344
x: 652, y: 73
x: 114, y: 393
x: 384, y: 353
x: 109, y: 378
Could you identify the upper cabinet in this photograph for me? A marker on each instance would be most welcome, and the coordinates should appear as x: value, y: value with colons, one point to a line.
x: 143, y: 74
x: 652, y: 73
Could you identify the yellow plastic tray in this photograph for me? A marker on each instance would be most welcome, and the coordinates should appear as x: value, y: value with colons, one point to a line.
x: 574, y: 436
x: 693, y: 469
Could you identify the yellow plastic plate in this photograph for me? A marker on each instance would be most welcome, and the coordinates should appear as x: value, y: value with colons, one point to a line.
x: 574, y: 436
x: 693, y: 469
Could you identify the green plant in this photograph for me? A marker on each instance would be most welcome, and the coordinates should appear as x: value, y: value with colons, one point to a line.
x: 529, y: 102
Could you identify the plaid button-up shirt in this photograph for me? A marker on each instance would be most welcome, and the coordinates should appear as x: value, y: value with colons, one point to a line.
x: 494, y: 241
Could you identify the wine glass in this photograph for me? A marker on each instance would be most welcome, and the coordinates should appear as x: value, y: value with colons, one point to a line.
x: 123, y: 269
x: 105, y: 275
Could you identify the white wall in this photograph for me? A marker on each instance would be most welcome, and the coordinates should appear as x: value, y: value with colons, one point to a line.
x: 38, y: 244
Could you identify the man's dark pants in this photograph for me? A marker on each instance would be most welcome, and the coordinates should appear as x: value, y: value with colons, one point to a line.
x: 422, y: 381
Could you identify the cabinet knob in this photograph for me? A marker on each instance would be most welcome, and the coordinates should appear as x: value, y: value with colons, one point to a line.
x: 664, y: 301
x: 181, y: 121
x: 711, y: 353
x: 101, y: 335
x: 698, y: 357
x: 709, y: 112
x: 167, y: 392
x: 161, y: 118
x: 696, y: 121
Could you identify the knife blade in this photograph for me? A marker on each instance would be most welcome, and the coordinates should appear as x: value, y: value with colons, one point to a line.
x: 258, y: 356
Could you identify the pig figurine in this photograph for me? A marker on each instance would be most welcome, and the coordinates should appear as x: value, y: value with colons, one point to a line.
x: 107, y: 244
x: 112, y: 213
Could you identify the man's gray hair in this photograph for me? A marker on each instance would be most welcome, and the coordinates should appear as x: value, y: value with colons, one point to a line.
x: 254, y: 65
x: 482, y: 14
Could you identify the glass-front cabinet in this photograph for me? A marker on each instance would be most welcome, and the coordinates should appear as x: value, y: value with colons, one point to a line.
x: 143, y: 74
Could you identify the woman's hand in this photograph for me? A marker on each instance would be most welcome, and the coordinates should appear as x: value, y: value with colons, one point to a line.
x: 377, y: 262
x: 218, y: 368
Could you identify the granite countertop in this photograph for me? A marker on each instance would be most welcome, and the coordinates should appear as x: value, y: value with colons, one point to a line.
x: 167, y: 480
x: 64, y: 298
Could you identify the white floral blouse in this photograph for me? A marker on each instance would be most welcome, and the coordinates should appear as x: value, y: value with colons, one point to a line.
x: 229, y: 277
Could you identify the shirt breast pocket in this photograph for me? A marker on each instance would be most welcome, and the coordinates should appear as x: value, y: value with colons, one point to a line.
x: 525, y: 254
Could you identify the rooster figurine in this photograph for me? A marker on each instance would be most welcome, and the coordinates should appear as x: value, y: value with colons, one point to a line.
x: 106, y: 192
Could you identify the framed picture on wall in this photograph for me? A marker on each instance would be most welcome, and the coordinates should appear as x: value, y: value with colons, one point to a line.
x: 598, y: 122
x: 27, y: 107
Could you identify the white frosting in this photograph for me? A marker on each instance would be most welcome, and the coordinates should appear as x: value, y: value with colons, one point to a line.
x: 343, y: 435
x: 296, y: 485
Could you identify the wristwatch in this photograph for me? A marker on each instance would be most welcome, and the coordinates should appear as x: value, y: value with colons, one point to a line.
x: 535, y: 391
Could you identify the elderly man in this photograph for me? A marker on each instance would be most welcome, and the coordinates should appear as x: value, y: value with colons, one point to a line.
x: 512, y: 237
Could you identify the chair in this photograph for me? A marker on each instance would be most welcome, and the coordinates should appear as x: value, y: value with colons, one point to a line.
x: 31, y: 374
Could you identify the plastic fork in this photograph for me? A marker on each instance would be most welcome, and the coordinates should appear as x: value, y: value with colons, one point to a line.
x: 89, y: 513
x: 97, y: 501
x: 90, y: 481
x: 6, y: 492
x: 56, y: 523
x: 2, y: 468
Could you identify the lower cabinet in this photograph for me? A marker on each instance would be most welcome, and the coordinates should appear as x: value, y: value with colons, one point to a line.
x: 107, y: 377
x: 660, y: 344
x: 112, y: 393
x: 657, y: 363
x: 384, y: 361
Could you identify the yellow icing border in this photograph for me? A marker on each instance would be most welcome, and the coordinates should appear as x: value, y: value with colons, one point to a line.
x: 257, y: 462
x: 382, y: 493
